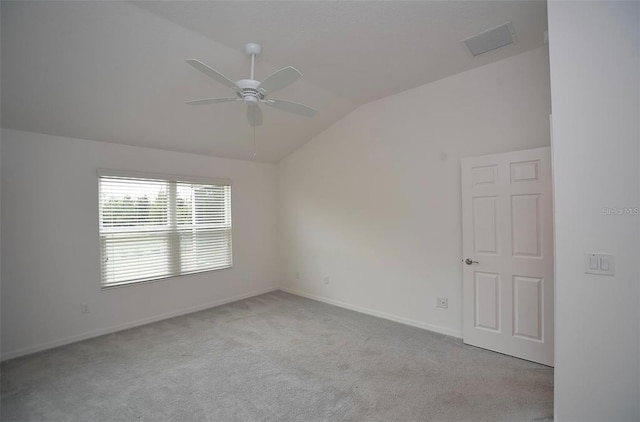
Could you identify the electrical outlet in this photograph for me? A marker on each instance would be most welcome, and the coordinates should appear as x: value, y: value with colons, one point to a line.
x: 442, y: 302
x: 326, y: 279
x: 84, y: 308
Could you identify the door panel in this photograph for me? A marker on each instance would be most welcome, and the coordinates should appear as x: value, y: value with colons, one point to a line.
x: 485, y: 228
x: 525, y: 226
x: 507, y: 230
x: 526, y: 171
x: 485, y: 175
x: 527, y: 302
x: 487, y: 301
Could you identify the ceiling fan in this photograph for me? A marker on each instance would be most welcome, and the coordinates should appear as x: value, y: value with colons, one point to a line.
x: 254, y: 92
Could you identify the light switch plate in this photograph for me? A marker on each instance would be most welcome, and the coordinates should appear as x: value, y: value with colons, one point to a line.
x: 599, y: 264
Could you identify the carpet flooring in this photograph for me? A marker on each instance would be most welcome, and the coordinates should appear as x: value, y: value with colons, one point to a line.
x: 274, y: 357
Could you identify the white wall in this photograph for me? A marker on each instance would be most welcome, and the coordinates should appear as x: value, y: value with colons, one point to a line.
x: 0, y: 192
x: 374, y: 201
x: 50, y: 248
x: 595, y: 71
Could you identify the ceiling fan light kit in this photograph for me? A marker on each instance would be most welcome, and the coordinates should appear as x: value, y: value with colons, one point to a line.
x: 254, y: 92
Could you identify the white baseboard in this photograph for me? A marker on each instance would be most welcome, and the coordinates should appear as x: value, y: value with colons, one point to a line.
x: 384, y: 315
x: 95, y: 333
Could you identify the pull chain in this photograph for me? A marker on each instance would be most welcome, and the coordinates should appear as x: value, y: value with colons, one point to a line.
x: 254, y: 135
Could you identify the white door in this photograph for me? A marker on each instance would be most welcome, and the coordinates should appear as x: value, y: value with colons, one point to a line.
x: 508, y: 254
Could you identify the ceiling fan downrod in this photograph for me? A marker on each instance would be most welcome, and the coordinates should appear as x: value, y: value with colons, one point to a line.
x: 252, y: 49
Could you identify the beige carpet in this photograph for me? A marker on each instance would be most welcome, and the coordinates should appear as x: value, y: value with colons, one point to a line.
x: 275, y: 357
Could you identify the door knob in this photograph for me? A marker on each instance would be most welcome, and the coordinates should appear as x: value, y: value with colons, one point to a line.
x: 469, y: 261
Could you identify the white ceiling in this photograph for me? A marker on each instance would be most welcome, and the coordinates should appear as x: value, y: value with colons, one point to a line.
x: 116, y: 71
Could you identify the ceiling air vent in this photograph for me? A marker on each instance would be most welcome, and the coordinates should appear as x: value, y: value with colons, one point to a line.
x: 493, y: 38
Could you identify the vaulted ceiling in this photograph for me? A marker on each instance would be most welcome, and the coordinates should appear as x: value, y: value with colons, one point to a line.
x: 116, y: 71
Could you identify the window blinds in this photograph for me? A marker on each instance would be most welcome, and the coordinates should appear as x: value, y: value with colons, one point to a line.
x: 153, y: 228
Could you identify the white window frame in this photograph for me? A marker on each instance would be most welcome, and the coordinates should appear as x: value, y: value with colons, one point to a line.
x: 174, y: 252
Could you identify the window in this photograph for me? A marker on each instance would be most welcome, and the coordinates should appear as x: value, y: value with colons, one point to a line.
x: 157, y: 227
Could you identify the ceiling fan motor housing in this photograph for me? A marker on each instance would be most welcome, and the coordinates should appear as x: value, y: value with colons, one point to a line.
x: 249, y: 91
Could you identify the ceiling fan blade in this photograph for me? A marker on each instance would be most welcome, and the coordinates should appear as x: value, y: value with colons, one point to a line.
x: 280, y: 79
x: 211, y: 101
x: 291, y: 107
x: 254, y: 115
x: 212, y: 73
